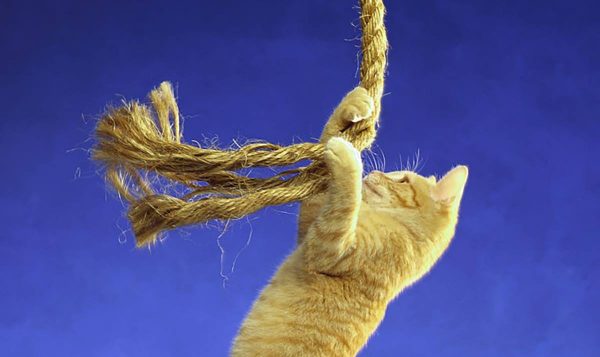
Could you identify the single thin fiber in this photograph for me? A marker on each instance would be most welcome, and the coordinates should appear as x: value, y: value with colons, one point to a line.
x: 137, y: 140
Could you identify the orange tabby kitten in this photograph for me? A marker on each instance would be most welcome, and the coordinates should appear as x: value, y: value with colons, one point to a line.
x: 359, y: 244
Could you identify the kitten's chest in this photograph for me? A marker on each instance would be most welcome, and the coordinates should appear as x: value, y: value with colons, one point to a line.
x: 309, y: 322
x: 303, y: 313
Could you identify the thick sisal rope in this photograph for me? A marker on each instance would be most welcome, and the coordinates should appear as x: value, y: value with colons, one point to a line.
x: 137, y: 144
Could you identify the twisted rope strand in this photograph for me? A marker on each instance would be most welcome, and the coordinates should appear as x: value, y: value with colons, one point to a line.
x: 135, y: 140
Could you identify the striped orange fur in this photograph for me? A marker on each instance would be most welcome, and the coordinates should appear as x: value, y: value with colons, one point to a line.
x: 359, y: 245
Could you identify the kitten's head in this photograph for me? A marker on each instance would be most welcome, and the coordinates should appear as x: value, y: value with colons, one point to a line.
x: 409, y: 190
x: 417, y: 215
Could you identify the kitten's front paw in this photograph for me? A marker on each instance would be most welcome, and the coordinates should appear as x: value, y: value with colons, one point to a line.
x: 356, y: 105
x: 341, y: 156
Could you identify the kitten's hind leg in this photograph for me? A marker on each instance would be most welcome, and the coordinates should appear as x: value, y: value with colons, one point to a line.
x: 331, y: 236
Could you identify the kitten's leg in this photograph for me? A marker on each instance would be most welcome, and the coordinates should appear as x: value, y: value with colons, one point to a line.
x: 331, y: 236
x: 355, y: 106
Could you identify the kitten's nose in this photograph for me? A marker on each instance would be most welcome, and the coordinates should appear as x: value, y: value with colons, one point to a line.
x: 374, y: 176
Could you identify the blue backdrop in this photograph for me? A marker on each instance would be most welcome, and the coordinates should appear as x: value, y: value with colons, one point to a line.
x: 509, y: 88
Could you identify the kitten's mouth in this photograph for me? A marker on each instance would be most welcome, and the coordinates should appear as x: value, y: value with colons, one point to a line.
x: 372, y: 187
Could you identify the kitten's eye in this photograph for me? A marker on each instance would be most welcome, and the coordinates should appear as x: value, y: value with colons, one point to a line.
x: 404, y: 180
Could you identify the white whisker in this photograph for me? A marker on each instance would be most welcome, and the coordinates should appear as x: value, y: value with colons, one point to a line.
x: 401, y: 168
x: 375, y: 160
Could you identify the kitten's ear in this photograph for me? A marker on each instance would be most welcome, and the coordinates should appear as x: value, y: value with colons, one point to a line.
x: 450, y: 188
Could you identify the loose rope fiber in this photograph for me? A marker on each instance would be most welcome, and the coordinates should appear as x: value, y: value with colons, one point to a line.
x: 136, y: 143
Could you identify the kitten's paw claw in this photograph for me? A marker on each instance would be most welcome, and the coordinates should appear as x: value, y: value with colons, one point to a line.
x: 357, y: 105
x: 356, y: 118
x: 340, y: 154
